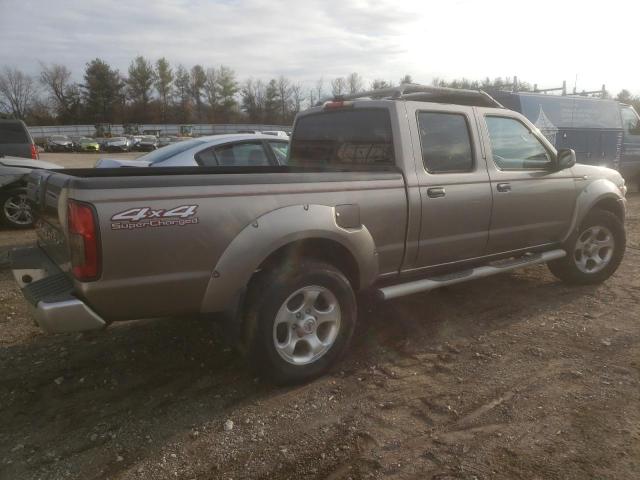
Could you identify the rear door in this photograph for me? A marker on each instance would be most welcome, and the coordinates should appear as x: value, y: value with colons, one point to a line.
x: 454, y: 184
x: 532, y: 203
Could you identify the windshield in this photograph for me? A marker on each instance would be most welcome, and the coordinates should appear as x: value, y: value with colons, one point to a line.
x: 61, y: 138
x: 169, y: 151
x: 630, y: 121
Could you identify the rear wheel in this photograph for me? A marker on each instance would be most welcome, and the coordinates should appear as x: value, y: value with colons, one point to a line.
x: 594, y: 252
x: 15, y: 209
x: 299, y: 321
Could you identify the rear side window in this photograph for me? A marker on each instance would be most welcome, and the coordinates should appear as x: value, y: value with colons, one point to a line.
x: 280, y: 150
x: 348, y: 137
x: 13, y: 132
x: 241, y: 154
x: 165, y: 153
x: 445, y: 140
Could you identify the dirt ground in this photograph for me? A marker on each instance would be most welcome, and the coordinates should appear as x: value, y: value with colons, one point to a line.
x: 512, y: 377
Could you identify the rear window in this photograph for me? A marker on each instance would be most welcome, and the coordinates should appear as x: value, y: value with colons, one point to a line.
x: 355, y: 137
x: 13, y: 132
x: 164, y: 153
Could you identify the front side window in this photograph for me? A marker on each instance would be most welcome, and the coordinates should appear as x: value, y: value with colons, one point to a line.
x: 514, y: 146
x: 630, y: 121
x: 360, y: 137
x: 446, y: 145
x: 241, y: 154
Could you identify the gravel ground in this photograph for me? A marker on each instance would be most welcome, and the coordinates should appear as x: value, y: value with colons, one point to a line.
x: 515, y: 376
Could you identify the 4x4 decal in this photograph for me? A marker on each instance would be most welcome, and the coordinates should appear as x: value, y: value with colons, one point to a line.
x: 143, y: 217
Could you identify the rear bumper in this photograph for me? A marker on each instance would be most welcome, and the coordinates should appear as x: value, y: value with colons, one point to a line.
x: 50, y: 293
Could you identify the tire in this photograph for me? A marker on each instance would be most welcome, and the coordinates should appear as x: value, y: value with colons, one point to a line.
x: 594, y: 252
x: 289, y: 337
x: 15, y: 211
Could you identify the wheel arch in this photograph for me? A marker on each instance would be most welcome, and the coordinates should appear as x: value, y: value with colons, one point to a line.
x: 602, y: 194
x: 282, y: 234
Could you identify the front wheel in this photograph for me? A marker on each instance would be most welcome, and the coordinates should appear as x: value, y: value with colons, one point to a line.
x: 15, y: 209
x: 299, y: 321
x: 594, y: 252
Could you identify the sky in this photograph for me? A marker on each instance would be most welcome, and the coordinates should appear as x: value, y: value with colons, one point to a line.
x: 544, y: 42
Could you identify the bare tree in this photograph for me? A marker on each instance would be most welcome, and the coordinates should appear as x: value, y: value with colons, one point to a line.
x: 319, y: 89
x: 198, y: 80
x: 17, y: 92
x: 378, y: 84
x: 355, y: 83
x: 253, y: 99
x: 65, y: 94
x: 284, y: 97
x: 211, y: 90
x: 338, y: 86
x: 312, y: 97
x: 297, y: 98
x: 406, y: 79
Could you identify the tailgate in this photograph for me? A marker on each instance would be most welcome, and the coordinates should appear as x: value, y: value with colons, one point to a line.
x: 47, y: 195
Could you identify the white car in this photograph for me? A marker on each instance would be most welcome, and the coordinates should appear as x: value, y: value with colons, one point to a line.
x: 276, y: 133
x: 212, y: 151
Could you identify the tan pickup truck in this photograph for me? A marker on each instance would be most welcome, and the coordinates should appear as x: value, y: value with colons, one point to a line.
x: 396, y: 191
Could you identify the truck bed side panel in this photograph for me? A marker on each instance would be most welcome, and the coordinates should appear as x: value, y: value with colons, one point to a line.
x: 155, y: 270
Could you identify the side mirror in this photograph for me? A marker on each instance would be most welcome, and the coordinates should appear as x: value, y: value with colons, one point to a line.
x: 565, y: 158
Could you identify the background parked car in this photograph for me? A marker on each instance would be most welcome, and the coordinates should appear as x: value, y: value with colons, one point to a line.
x: 86, y: 144
x: 147, y: 143
x: 217, y: 150
x: 58, y: 143
x: 164, y: 141
x: 276, y: 133
x: 117, y: 144
x: 16, y: 140
x: 15, y: 211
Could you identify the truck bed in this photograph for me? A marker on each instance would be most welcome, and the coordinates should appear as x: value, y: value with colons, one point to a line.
x: 153, y: 270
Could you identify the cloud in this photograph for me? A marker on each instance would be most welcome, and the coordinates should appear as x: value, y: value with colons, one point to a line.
x: 307, y: 39
x: 256, y: 38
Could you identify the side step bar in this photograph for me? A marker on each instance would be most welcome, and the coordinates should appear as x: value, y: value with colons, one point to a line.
x: 499, y: 266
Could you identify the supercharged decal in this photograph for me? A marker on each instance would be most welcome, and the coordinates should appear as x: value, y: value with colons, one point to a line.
x: 144, y: 217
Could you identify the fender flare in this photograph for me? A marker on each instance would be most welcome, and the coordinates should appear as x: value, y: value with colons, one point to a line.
x: 592, y: 194
x: 273, y: 230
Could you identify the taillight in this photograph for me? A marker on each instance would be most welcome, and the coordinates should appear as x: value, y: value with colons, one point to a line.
x: 83, y: 241
x: 34, y: 152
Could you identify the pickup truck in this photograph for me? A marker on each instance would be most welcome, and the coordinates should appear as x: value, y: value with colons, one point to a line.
x: 393, y: 192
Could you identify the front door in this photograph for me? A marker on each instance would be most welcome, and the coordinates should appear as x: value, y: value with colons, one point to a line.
x: 454, y: 184
x: 532, y: 202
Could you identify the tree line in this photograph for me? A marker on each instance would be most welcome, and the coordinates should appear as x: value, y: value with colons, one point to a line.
x: 157, y: 92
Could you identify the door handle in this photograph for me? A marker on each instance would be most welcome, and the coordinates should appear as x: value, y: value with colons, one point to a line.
x: 504, y: 187
x: 435, y: 192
